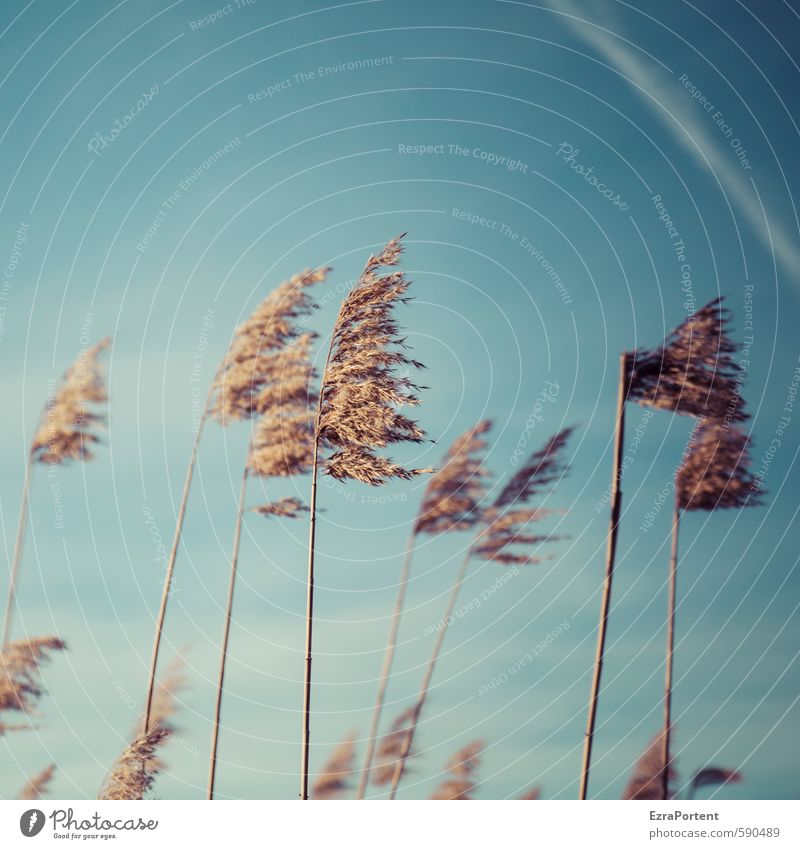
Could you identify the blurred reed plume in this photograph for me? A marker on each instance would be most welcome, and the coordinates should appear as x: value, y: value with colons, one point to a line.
x: 241, y: 387
x: 37, y: 787
x: 391, y: 749
x: 693, y: 373
x: 648, y: 780
x: 20, y: 665
x: 334, y: 780
x: 67, y: 431
x: 714, y: 475
x: 502, y: 525
x: 136, y: 769
x: 461, y: 782
x: 712, y: 776
x: 452, y: 502
x: 532, y: 795
x: 357, y: 410
x: 281, y: 446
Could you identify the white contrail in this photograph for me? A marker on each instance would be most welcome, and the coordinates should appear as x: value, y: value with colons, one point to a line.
x: 676, y: 115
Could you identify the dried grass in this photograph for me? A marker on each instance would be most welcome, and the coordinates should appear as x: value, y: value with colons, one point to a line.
x: 68, y: 428
x: 136, y: 769
x: 712, y: 776
x: 361, y: 387
x: 693, y: 372
x: 37, y: 787
x: 460, y: 785
x: 258, y: 353
x: 647, y: 780
x: 20, y: 664
x: 714, y: 473
x: 334, y: 780
x: 507, y: 527
x: 452, y: 500
x: 391, y: 747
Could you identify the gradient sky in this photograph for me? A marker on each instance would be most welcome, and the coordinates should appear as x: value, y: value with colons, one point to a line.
x: 317, y: 170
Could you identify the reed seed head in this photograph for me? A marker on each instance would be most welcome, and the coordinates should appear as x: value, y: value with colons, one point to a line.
x: 647, y: 780
x: 334, y: 780
x: 20, y: 663
x: 693, y: 372
x: 136, y: 769
x: 69, y: 426
x: 505, y: 527
x: 712, y: 776
x: 37, y: 787
x: 715, y: 472
x: 363, y: 384
x: 257, y: 359
x: 452, y: 500
x: 391, y: 748
x: 460, y: 783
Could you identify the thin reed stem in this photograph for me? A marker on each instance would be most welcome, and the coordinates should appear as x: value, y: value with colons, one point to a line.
x: 611, y: 550
x: 22, y: 525
x: 426, y: 680
x: 673, y: 585
x: 312, y: 538
x: 237, y: 536
x: 388, y: 659
x: 162, y: 612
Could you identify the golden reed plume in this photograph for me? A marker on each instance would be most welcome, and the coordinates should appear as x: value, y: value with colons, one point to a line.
x: 460, y: 784
x: 357, y: 412
x: 334, y: 780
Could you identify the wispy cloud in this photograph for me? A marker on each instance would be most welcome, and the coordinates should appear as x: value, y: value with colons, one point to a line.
x: 678, y: 115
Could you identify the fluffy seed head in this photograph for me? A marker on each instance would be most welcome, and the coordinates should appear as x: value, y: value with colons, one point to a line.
x: 334, y: 780
x: 135, y: 771
x: 712, y: 776
x: 37, y: 787
x: 715, y: 473
x: 363, y: 384
x: 452, y: 500
x: 693, y: 372
x: 391, y: 748
x: 506, y: 527
x: 256, y: 358
x: 20, y: 686
x: 461, y: 768
x: 647, y: 780
x: 69, y: 425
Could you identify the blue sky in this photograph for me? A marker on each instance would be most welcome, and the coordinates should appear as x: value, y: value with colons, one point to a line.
x: 282, y: 135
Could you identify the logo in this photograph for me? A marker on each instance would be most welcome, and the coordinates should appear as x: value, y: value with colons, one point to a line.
x: 31, y: 822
